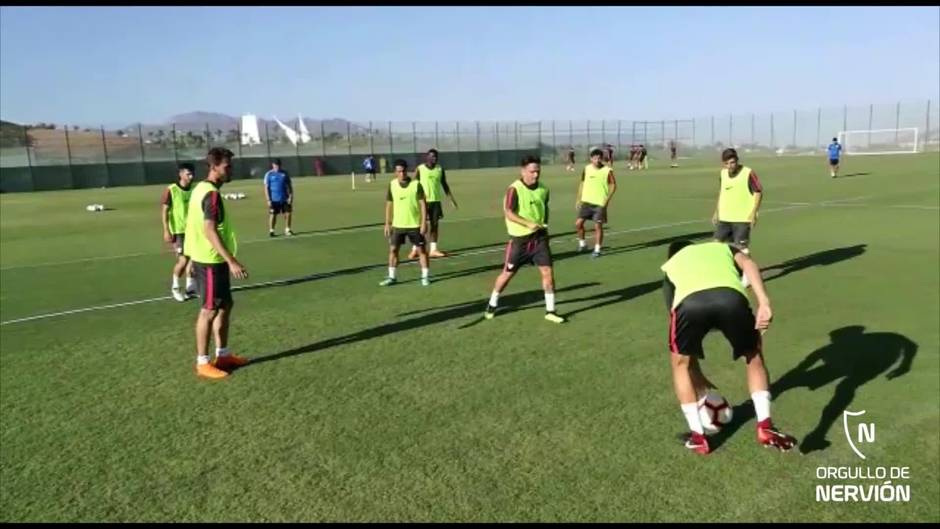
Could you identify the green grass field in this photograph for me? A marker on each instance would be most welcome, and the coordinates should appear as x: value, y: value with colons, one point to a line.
x: 403, y: 404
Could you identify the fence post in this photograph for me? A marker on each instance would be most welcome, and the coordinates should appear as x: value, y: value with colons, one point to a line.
x: 603, y: 132
x: 140, y: 140
x: 240, y: 139
x: 458, y: 141
x: 515, y: 132
x: 713, y: 130
x: 322, y: 140
x: 731, y: 130
x: 371, y: 140
x: 349, y: 144
x: 589, y: 133
x: 538, y: 143
x: 675, y: 132
x: 68, y: 148
x: 570, y: 134
x: 176, y: 154
x: 927, y: 129
x: 897, y: 123
x: 29, y: 157
x: 554, y: 142
x: 662, y: 133
x: 871, y: 114
x: 267, y: 141
x: 632, y: 132
x: 794, y: 128
x: 414, y: 137
x: 497, y: 142
x: 107, y: 166
x: 818, y: 127
x: 845, y: 117
x: 477, y: 125
x: 645, y: 133
x: 391, y: 143
x: 619, y: 137
x: 436, y: 141
x: 208, y: 137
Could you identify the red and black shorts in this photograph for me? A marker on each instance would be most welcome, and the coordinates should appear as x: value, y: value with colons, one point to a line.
x: 214, y: 284
x: 178, y: 240
x: 723, y: 309
x: 532, y: 249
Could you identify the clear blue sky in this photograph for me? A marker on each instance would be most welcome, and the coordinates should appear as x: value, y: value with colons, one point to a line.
x: 123, y: 65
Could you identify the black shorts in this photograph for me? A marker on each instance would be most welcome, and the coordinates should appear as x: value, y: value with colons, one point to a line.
x: 398, y: 236
x: 178, y: 239
x: 737, y: 233
x: 213, y: 282
x: 523, y: 250
x: 435, y: 213
x: 724, y: 309
x: 280, y: 207
x: 592, y: 212
x: 833, y: 161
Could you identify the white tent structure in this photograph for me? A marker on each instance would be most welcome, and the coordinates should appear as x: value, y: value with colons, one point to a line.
x: 291, y: 133
x: 304, y: 133
x: 250, y: 133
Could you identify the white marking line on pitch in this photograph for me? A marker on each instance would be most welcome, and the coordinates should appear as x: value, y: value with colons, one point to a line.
x: 324, y: 275
x: 326, y: 233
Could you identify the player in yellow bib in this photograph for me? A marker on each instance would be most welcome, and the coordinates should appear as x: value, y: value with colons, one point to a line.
x: 595, y: 190
x: 405, y: 218
x: 703, y: 292
x: 434, y: 183
x: 211, y: 244
x: 739, y: 198
x: 174, y: 203
x: 526, y: 211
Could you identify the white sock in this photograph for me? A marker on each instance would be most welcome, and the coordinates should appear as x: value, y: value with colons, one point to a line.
x: 597, y: 248
x: 761, y: 400
x: 176, y: 282
x: 433, y: 246
x: 391, y: 272
x: 424, y: 273
x: 581, y: 243
x: 202, y: 360
x: 550, y: 301
x: 414, y: 249
x: 190, y: 283
x: 690, y: 411
x: 221, y: 351
x: 494, y: 299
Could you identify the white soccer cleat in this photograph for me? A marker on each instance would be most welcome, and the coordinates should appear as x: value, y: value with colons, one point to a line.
x: 177, y: 294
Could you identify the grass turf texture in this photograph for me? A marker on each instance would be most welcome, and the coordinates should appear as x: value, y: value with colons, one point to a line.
x: 401, y: 403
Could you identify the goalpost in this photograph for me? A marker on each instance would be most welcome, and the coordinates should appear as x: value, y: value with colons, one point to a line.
x: 880, y: 141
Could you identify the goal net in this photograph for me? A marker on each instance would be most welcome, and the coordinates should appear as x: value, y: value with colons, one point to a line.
x: 881, y: 141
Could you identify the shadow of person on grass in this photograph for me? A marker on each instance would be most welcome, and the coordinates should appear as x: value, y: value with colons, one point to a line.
x: 823, y: 258
x: 853, y: 358
x: 443, y: 314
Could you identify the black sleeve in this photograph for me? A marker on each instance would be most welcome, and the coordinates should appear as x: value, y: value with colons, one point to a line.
x: 212, y: 207
x: 669, y: 292
x: 444, y: 181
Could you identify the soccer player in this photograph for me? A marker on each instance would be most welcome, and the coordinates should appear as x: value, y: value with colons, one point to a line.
x: 279, y: 194
x: 368, y: 164
x: 211, y: 244
x: 739, y: 198
x: 434, y: 182
x: 634, y: 157
x: 406, y: 213
x: 173, y: 216
x: 569, y: 159
x: 835, y: 151
x: 526, y: 211
x: 673, y: 156
x: 609, y: 155
x: 644, y: 161
x: 703, y: 292
x: 595, y: 190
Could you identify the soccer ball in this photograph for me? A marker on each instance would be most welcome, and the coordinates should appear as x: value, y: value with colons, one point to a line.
x: 715, y: 412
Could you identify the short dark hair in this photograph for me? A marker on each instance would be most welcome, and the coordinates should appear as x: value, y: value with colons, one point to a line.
x: 187, y: 166
x: 835, y: 139
x: 400, y: 162
x: 218, y: 154
x: 675, y: 246
x: 728, y: 154
x: 597, y: 152
x: 433, y: 151
x: 529, y: 158
x: 276, y: 161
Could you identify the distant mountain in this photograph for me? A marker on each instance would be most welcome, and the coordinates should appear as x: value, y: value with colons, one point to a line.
x: 196, y: 122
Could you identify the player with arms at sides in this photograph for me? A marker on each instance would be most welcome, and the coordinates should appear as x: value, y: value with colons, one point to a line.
x: 596, y: 188
x: 525, y: 208
x: 279, y: 194
x: 173, y: 209
x: 212, y: 245
x: 434, y: 183
x: 569, y: 159
x: 369, y: 166
x: 644, y: 160
x: 632, y: 160
x: 703, y: 291
x: 835, y: 152
x: 739, y: 197
x: 406, y: 214
x: 673, y: 153
x: 609, y: 155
